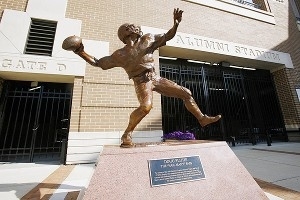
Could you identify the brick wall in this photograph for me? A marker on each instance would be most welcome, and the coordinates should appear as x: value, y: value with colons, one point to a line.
x: 288, y: 80
x: 285, y: 97
x: 12, y: 5
x: 76, y: 105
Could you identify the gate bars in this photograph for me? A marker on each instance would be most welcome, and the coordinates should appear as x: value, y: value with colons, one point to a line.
x: 33, y: 121
x: 246, y: 99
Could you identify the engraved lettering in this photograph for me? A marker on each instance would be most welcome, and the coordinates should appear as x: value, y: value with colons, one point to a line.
x: 227, y: 47
x: 251, y: 52
x: 220, y: 46
x: 276, y: 56
x: 189, y: 41
x: 31, y: 64
x: 61, y: 67
x: 263, y: 53
x: 237, y: 49
x: 258, y: 53
x: 244, y: 49
x: 175, y: 170
x: 198, y: 42
x: 20, y: 64
x: 179, y: 39
x: 42, y: 65
x: 208, y: 44
x: 7, y: 63
x: 23, y: 64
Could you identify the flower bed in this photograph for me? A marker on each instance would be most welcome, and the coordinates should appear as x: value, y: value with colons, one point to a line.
x: 178, y: 135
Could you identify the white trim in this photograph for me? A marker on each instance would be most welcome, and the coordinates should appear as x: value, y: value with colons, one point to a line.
x: 47, y: 9
x: 298, y: 93
x: 14, y: 28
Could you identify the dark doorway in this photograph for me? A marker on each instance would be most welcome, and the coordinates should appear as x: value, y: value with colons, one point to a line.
x: 34, y: 120
x: 246, y: 99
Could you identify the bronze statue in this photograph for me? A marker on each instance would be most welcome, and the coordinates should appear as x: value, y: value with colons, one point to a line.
x: 136, y: 57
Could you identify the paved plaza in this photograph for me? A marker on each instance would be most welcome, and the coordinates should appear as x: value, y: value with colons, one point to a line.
x: 276, y: 169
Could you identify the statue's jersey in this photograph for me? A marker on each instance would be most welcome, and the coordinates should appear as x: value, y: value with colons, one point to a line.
x: 138, y: 59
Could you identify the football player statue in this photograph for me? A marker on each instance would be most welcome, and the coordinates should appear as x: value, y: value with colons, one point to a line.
x: 136, y: 58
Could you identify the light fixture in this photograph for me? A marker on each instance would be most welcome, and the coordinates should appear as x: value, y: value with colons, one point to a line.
x: 202, y: 62
x: 168, y: 58
x: 225, y: 64
x: 35, y: 88
x: 34, y: 84
x: 240, y: 67
x: 249, y: 68
x: 196, y: 61
x: 217, y: 89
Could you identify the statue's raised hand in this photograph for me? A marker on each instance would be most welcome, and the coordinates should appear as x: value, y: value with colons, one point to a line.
x: 177, y: 15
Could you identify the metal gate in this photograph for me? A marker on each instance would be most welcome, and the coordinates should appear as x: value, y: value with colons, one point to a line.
x: 246, y: 99
x: 34, y: 122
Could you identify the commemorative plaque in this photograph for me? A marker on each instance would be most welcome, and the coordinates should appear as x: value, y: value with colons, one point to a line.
x: 175, y: 170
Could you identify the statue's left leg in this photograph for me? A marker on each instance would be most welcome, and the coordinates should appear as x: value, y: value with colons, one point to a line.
x: 145, y: 97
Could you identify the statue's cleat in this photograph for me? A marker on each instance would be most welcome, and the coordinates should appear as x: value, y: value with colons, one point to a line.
x: 126, y: 141
x: 206, y: 120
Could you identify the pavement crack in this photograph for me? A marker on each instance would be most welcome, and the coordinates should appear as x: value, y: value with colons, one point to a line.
x: 286, y: 179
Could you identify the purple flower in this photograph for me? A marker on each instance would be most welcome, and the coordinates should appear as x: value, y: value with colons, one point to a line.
x: 178, y: 135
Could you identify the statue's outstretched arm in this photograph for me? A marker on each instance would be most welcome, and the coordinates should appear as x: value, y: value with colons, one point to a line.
x: 177, y: 17
x: 105, y: 62
x: 74, y: 43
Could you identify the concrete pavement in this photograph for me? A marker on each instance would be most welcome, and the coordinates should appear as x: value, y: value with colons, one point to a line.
x: 276, y: 165
x: 48, y: 180
x: 18, y: 178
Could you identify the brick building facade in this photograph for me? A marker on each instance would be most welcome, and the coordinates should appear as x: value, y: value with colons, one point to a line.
x: 262, y: 34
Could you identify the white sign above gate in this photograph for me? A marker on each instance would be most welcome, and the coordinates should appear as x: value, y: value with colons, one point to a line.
x: 221, y: 47
x: 41, y: 64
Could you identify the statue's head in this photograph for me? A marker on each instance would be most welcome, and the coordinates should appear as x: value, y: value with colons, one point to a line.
x: 127, y: 29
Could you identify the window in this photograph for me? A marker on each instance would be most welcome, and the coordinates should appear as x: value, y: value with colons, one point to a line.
x: 249, y: 3
x: 295, y: 5
x: 254, y: 9
x: 257, y: 4
x: 41, y: 37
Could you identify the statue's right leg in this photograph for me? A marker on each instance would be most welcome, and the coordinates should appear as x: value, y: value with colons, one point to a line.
x: 145, y: 97
x: 171, y: 89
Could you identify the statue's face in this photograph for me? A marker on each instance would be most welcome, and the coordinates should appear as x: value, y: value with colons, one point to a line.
x: 126, y: 30
x: 131, y: 28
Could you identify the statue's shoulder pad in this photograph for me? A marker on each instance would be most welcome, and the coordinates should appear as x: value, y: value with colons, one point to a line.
x: 148, y: 35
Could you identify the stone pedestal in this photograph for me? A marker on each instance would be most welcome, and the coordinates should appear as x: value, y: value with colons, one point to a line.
x: 124, y: 174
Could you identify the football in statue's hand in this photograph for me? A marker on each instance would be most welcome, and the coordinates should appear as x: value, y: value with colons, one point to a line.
x: 71, y: 43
